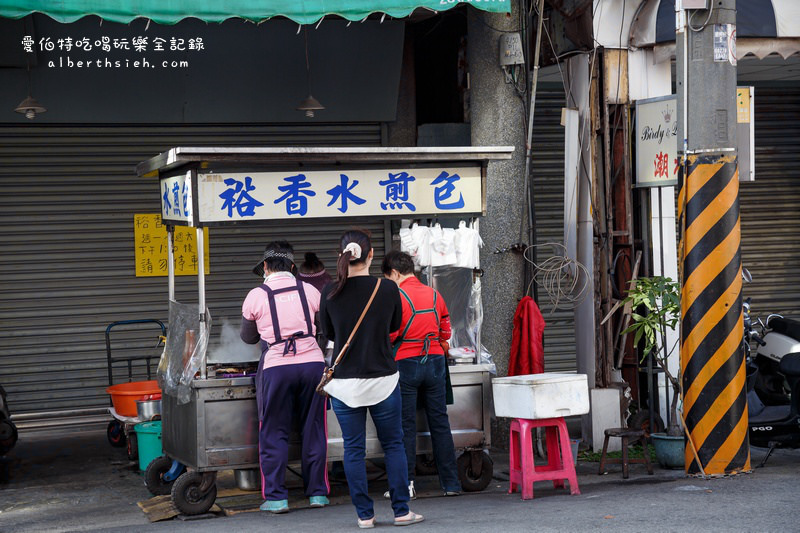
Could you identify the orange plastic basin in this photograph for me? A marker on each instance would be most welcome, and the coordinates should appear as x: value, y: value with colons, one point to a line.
x: 124, y: 395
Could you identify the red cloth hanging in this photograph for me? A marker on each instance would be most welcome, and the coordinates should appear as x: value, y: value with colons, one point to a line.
x: 527, y: 350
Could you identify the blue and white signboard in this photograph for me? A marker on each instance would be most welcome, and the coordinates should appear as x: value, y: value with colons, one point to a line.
x: 412, y: 192
x: 176, y: 198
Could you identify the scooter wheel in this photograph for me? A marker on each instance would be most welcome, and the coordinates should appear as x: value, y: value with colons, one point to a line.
x: 116, y: 434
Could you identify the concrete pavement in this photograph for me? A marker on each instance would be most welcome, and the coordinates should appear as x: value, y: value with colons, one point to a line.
x: 74, y: 481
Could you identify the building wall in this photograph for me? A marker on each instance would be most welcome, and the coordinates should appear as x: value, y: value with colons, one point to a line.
x: 123, y: 99
x: 245, y: 72
x: 497, y: 120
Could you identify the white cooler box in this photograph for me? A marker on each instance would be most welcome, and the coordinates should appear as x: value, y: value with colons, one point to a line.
x: 536, y: 396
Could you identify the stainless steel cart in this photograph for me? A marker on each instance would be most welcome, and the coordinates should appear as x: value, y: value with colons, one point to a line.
x: 218, y: 428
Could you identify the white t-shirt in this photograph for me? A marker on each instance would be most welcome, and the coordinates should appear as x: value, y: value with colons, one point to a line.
x: 362, y: 392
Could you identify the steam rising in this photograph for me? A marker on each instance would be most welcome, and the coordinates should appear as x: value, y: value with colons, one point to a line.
x: 230, y: 348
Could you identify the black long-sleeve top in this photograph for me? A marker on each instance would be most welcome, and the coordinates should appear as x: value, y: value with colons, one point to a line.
x: 370, y: 352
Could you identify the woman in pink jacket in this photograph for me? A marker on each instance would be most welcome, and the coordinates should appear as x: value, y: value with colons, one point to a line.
x: 280, y: 315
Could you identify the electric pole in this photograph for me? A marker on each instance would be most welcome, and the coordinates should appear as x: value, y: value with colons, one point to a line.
x: 712, y: 362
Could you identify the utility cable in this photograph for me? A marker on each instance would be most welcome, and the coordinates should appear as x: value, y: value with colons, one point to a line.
x: 705, y: 23
x: 563, y: 279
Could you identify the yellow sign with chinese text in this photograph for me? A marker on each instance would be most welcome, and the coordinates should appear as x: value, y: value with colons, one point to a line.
x: 743, y: 105
x: 150, y: 242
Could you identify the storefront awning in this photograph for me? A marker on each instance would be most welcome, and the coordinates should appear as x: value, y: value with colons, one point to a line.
x: 758, y: 19
x: 172, y: 11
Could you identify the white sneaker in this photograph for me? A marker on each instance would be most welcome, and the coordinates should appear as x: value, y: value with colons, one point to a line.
x: 412, y: 492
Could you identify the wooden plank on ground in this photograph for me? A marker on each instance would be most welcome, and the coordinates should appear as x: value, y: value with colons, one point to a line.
x: 231, y: 492
x: 230, y: 511
x: 245, y: 502
x: 160, y: 508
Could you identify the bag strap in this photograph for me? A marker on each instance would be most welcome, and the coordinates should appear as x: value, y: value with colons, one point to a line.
x: 355, y: 328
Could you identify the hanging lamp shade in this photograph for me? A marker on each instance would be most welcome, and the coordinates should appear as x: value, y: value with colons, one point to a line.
x: 29, y: 107
x: 309, y: 105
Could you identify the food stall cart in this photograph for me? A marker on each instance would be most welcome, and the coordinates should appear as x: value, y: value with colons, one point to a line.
x: 209, y: 421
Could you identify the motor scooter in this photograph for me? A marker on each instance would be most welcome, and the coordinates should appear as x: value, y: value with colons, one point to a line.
x: 776, y: 426
x: 780, y: 336
x: 777, y: 423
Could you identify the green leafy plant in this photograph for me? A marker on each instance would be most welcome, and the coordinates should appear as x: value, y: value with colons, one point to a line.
x: 635, y: 451
x: 656, y: 304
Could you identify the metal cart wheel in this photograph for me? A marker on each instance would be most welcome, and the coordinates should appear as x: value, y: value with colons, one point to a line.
x: 194, y: 493
x: 475, y: 470
x: 133, y: 446
x: 426, y: 465
x: 154, y: 476
x: 8, y: 435
x: 116, y: 434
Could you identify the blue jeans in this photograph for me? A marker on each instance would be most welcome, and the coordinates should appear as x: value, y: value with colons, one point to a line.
x: 426, y: 375
x: 386, y: 416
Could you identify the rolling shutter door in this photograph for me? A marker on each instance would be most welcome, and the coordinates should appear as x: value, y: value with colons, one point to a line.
x: 770, y: 206
x: 68, y: 195
x: 547, y: 174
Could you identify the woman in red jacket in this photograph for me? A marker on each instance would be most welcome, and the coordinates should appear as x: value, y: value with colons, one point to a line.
x: 421, y: 362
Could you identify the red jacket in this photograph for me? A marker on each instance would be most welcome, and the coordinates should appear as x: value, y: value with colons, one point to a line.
x: 527, y: 350
x: 424, y: 324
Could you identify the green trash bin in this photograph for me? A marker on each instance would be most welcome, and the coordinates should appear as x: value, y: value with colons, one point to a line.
x: 148, y: 435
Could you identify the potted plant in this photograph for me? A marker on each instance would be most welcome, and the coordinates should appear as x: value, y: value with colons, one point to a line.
x: 659, y: 299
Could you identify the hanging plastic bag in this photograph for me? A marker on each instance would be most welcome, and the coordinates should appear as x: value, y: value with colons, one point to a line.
x: 475, y: 312
x: 463, y: 296
x: 443, y: 246
x: 468, y: 243
x: 184, y: 350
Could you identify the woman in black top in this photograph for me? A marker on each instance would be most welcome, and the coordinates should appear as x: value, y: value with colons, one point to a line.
x: 366, y: 379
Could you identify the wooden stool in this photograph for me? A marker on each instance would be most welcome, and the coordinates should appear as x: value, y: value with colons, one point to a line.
x: 629, y: 436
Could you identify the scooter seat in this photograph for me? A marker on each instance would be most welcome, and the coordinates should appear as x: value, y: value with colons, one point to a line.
x: 785, y: 326
x: 790, y: 365
x: 770, y: 415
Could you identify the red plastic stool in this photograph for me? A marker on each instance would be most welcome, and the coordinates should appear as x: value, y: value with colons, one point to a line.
x: 560, y: 466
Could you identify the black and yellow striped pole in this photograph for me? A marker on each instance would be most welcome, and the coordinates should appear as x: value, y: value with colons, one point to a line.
x: 712, y: 363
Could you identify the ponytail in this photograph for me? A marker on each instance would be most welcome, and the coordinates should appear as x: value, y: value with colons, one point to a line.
x: 346, y: 258
x: 342, y: 269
